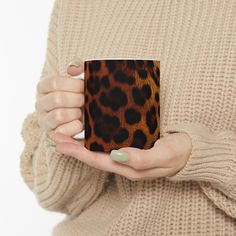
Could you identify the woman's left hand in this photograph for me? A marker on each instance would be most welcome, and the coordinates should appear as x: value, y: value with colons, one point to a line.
x: 167, y: 157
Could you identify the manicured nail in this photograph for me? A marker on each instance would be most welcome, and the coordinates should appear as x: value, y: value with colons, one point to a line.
x: 74, y: 63
x: 51, y: 145
x: 50, y: 142
x: 120, y: 156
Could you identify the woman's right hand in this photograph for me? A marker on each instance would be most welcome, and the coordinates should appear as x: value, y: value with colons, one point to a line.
x: 59, y: 101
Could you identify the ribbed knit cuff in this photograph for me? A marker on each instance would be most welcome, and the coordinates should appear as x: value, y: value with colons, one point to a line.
x: 31, y: 134
x: 63, y: 183
x: 213, y: 156
x: 60, y: 183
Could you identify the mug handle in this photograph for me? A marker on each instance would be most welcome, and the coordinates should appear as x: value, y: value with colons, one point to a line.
x: 80, y: 135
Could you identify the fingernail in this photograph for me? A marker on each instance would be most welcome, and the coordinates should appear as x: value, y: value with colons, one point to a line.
x: 50, y: 142
x: 120, y: 156
x: 74, y: 63
x: 51, y: 145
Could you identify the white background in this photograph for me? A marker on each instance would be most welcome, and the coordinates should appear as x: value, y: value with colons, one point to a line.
x: 23, y: 35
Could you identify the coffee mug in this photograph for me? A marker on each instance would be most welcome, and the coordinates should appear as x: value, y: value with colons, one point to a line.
x: 122, y: 107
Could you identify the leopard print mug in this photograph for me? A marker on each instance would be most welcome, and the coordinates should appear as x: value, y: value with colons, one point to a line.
x: 122, y: 107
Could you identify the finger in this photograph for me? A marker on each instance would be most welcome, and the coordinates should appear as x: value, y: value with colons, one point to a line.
x: 141, y: 159
x: 101, y: 160
x: 58, y: 83
x: 60, y: 116
x: 97, y: 160
x: 59, y: 99
x: 62, y: 138
x: 70, y: 128
x: 75, y: 67
x: 148, y: 174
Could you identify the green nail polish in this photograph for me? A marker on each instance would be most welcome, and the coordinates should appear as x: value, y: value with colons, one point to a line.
x: 51, y: 145
x: 120, y: 156
x: 74, y: 63
x: 50, y: 142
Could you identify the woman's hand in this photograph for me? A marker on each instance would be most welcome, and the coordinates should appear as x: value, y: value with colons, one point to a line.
x: 168, y: 156
x: 59, y: 101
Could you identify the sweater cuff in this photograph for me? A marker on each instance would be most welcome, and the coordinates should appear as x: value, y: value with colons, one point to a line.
x: 212, y: 158
x: 31, y: 134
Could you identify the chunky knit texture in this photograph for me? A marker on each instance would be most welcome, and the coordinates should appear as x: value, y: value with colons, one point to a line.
x: 196, y: 41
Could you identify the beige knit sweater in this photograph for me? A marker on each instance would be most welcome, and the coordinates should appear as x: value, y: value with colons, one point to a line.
x: 196, y: 41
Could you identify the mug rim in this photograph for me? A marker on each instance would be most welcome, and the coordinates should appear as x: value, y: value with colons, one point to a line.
x: 123, y: 58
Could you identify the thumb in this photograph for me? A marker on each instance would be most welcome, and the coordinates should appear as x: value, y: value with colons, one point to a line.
x: 75, y: 67
x: 129, y: 149
x: 127, y: 155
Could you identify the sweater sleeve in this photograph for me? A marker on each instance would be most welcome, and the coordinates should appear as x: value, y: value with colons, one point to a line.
x: 212, y: 163
x: 60, y: 183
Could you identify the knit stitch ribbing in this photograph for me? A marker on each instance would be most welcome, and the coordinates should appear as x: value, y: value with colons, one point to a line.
x: 196, y: 41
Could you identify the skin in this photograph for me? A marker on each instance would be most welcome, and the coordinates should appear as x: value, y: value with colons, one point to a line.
x: 167, y: 157
x: 59, y: 101
x: 59, y: 106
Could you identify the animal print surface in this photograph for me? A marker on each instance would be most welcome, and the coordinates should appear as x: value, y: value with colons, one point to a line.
x: 122, y: 106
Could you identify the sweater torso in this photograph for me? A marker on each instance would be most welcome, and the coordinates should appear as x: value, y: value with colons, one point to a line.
x: 196, y: 41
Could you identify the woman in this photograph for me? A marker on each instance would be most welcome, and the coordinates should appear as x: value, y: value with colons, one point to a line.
x: 186, y: 183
